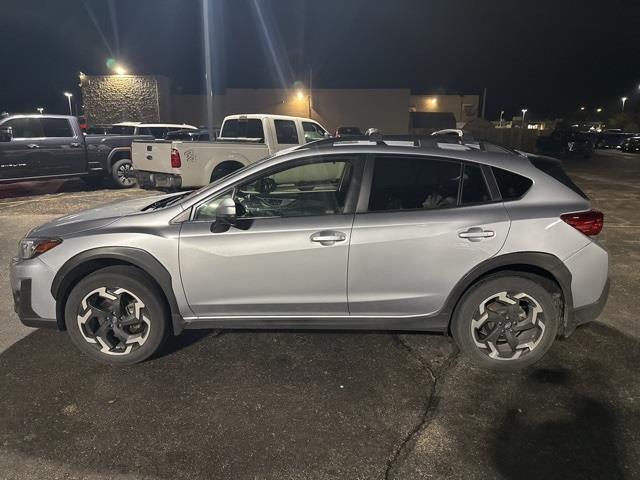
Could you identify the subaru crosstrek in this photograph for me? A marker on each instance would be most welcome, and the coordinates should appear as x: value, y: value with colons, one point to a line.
x: 496, y: 248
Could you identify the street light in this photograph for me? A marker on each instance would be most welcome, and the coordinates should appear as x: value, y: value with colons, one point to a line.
x: 69, y: 95
x: 120, y: 70
x: 40, y: 110
x: 624, y: 100
x: 582, y: 109
x: 524, y: 112
x: 599, y: 109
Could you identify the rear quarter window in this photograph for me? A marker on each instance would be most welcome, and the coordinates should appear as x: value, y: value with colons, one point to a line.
x: 554, y: 169
x: 511, y: 185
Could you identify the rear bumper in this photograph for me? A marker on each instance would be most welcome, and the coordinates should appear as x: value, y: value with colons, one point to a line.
x: 587, y: 313
x: 158, y: 180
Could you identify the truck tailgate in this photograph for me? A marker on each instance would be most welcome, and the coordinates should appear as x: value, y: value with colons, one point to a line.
x: 152, y: 156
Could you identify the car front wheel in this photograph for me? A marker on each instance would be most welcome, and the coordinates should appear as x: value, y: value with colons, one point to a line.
x: 115, y: 316
x: 505, y: 322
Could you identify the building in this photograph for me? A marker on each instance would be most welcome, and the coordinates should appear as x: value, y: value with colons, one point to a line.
x: 113, y: 98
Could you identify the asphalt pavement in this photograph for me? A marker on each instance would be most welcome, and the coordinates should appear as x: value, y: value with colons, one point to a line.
x: 326, y: 405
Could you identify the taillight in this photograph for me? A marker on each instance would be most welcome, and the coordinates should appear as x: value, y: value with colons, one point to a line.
x: 175, y: 159
x: 590, y: 223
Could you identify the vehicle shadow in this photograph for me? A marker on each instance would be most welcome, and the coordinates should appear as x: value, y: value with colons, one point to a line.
x: 29, y: 189
x: 232, y: 405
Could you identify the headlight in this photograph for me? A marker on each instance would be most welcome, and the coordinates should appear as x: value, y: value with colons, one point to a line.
x: 32, y: 247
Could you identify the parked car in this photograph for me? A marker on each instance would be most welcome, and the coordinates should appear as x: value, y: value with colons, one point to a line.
x: 243, y: 139
x: 157, y: 130
x: 612, y: 139
x: 499, y: 249
x: 631, y: 145
x: 348, y: 132
x: 40, y: 147
x: 565, y: 143
x: 100, y: 129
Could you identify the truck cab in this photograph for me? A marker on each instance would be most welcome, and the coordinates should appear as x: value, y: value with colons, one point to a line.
x: 243, y: 139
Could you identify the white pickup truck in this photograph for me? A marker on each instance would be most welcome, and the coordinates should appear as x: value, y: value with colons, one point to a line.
x: 243, y: 139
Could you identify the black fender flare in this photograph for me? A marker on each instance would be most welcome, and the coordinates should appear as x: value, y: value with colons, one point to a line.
x: 115, y: 151
x: 544, y: 261
x: 134, y: 256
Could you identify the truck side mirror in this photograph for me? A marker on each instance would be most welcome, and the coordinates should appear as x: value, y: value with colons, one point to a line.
x: 6, y: 134
x: 226, y: 211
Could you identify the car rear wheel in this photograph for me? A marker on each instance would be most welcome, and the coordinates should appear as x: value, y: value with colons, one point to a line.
x: 120, y: 173
x: 505, y: 322
x: 115, y: 316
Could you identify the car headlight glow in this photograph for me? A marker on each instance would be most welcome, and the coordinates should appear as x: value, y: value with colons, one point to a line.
x: 32, y: 247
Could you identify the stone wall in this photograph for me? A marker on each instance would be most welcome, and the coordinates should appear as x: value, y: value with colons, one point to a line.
x: 120, y: 98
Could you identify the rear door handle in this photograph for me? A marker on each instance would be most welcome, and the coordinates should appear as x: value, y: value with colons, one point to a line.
x: 33, y: 145
x: 328, y: 237
x: 475, y: 234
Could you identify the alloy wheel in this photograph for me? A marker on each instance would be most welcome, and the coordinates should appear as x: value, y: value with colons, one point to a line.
x: 508, y: 325
x: 115, y: 320
x: 123, y: 174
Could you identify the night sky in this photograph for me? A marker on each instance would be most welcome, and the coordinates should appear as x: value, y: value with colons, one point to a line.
x: 549, y: 56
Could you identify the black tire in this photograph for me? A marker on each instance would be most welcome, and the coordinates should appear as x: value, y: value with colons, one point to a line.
x: 223, y: 170
x: 118, y: 171
x: 468, y: 321
x: 124, y: 283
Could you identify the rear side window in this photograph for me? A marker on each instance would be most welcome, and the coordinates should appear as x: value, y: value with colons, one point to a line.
x: 474, y: 187
x: 286, y: 132
x: 512, y: 186
x: 56, y: 127
x: 413, y: 183
x: 243, y: 128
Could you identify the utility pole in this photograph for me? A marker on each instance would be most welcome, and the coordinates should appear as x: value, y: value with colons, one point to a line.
x: 484, y: 101
x: 208, y: 71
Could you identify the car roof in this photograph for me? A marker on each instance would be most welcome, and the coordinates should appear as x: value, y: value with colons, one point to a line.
x: 262, y: 116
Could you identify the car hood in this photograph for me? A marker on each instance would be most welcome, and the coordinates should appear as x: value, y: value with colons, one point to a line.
x: 95, y: 217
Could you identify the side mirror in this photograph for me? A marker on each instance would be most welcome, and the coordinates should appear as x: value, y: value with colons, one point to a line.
x: 6, y: 134
x: 226, y: 212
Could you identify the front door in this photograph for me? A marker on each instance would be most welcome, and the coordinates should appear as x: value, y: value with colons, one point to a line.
x: 287, y: 253
x: 426, y: 223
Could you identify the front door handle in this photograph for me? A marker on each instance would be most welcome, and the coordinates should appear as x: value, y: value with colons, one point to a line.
x: 33, y: 145
x: 74, y: 144
x: 328, y: 237
x: 475, y: 234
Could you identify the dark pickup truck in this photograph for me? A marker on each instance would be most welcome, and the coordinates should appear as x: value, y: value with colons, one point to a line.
x: 41, y: 147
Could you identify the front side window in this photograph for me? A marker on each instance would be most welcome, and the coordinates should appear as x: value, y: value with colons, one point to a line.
x: 56, y: 127
x: 25, y: 127
x: 243, y: 128
x: 286, y: 132
x: 413, y: 183
x: 317, y: 187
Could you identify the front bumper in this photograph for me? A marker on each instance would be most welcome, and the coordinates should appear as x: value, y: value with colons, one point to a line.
x: 158, y: 180
x: 33, y: 276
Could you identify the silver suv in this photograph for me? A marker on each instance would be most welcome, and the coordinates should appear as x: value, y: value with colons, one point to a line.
x: 494, y: 247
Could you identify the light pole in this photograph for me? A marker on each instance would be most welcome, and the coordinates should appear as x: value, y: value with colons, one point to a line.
x: 69, y: 95
x: 624, y: 100
x: 501, y: 115
x: 524, y: 113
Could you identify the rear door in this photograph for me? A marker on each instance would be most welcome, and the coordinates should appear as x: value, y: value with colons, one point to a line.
x: 21, y: 157
x: 62, y: 148
x: 424, y: 224
x: 286, y: 134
